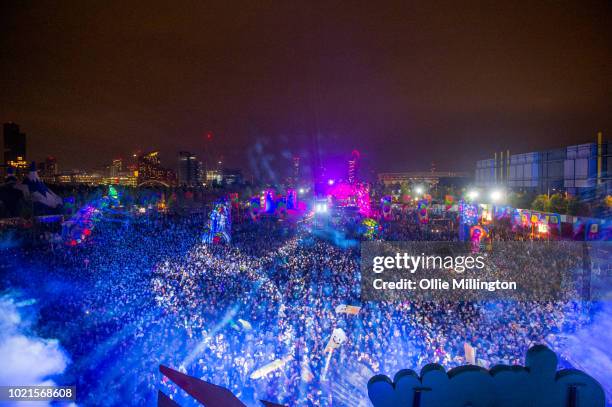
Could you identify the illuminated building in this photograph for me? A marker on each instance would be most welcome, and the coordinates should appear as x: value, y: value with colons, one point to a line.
x: 19, y: 163
x: 225, y: 176
x: 425, y: 177
x: 87, y: 178
x: 124, y: 179
x: 120, y: 174
x: 213, y: 177
x: 231, y: 176
x: 80, y: 178
x: 189, y: 169
x: 150, y: 171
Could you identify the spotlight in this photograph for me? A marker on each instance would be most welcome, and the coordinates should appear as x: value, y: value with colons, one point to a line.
x: 496, y: 195
x: 472, y: 195
x: 330, y: 182
x: 321, y: 206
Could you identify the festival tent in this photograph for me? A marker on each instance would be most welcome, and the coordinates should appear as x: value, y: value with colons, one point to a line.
x: 34, y: 189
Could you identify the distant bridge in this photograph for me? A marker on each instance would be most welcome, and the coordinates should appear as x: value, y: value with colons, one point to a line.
x: 153, y: 183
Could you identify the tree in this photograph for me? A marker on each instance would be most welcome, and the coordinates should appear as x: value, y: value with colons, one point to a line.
x: 557, y: 204
x: 540, y: 203
x: 576, y: 207
x: 520, y: 200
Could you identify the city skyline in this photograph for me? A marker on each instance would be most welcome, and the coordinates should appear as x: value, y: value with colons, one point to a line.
x: 209, y: 163
x: 403, y: 85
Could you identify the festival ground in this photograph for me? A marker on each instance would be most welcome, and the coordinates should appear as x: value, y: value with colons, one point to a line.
x: 141, y: 294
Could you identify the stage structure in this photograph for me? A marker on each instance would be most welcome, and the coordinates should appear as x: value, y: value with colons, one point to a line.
x: 269, y: 199
x: 292, y: 202
x: 219, y: 224
x: 270, y: 204
x: 345, y: 195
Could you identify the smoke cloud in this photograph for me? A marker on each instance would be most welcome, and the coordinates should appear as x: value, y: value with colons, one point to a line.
x: 28, y: 359
x: 589, y: 348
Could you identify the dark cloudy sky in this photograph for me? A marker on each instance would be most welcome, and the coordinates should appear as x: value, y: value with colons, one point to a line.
x: 404, y: 84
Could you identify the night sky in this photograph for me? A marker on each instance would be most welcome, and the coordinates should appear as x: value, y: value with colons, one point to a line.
x: 405, y: 85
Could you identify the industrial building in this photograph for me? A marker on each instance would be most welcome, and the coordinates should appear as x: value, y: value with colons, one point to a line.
x: 583, y: 170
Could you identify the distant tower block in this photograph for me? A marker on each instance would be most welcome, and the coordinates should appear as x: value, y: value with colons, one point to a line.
x: 296, y: 170
x: 353, y: 167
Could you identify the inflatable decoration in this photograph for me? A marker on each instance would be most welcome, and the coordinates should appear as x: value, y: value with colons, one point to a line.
x: 422, y: 212
x: 254, y: 208
x: 468, y: 217
x: 538, y: 383
x: 592, y: 231
x: 477, y: 233
x: 233, y: 197
x: 219, y: 224
x: 371, y: 228
x: 468, y: 214
x: 385, y: 204
x: 113, y: 195
x: 448, y: 201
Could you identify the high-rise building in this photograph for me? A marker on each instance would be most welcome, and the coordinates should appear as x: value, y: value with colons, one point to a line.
x: 48, y: 170
x: 121, y: 174
x: 231, y: 176
x: 296, y: 170
x: 353, y: 167
x: 151, y: 172
x: 189, y: 169
x: 14, y: 146
x: 116, y: 167
x: 213, y: 177
x: 51, y: 167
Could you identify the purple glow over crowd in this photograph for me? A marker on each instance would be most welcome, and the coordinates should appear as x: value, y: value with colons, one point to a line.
x: 313, y: 204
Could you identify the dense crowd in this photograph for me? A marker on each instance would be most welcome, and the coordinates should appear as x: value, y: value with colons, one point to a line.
x: 136, y: 295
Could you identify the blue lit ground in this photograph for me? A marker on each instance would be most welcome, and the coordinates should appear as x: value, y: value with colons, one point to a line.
x: 117, y: 326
